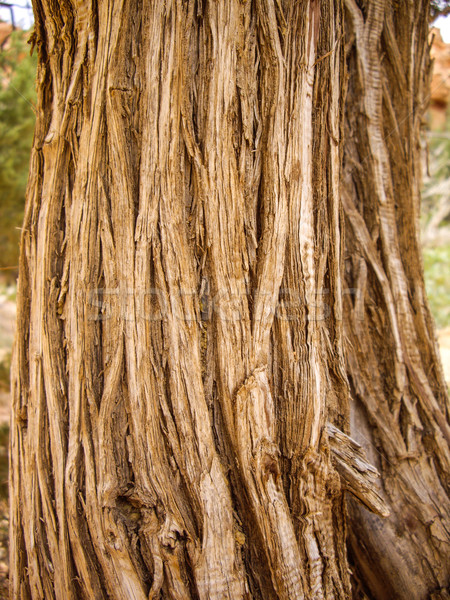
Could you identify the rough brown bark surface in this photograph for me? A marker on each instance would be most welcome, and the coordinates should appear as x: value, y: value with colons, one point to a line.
x: 180, y: 390
x: 400, y: 409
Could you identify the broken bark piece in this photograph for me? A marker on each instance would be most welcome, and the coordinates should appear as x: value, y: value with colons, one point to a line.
x: 357, y: 474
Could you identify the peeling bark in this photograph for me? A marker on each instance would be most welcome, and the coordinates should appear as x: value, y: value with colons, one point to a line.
x: 400, y: 409
x: 181, y: 404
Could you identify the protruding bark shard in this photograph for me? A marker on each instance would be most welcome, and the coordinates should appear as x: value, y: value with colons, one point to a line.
x: 358, y: 475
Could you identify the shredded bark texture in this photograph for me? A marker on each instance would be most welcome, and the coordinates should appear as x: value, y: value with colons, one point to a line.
x: 181, y: 403
x: 400, y: 409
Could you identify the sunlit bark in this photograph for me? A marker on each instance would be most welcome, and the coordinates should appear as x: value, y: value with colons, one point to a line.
x: 181, y: 403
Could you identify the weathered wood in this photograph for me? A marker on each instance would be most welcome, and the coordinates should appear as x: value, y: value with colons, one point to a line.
x: 359, y: 476
x: 400, y: 409
x: 182, y: 174
x: 182, y: 305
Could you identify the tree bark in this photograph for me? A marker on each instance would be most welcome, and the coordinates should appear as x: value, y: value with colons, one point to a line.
x: 399, y: 405
x: 181, y: 404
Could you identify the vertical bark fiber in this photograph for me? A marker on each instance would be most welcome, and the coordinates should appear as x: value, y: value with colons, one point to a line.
x: 182, y: 307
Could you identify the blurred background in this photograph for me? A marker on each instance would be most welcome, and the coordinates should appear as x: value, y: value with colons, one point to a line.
x: 17, y: 114
x: 17, y: 105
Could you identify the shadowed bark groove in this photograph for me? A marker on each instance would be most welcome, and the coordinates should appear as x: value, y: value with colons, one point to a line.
x: 181, y: 406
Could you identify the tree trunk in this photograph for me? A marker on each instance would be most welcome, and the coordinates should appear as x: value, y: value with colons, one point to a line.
x: 181, y: 404
x: 399, y: 405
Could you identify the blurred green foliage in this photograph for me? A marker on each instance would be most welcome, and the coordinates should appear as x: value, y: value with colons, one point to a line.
x: 17, y: 118
x: 437, y: 281
x: 436, y: 224
x: 438, y: 7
